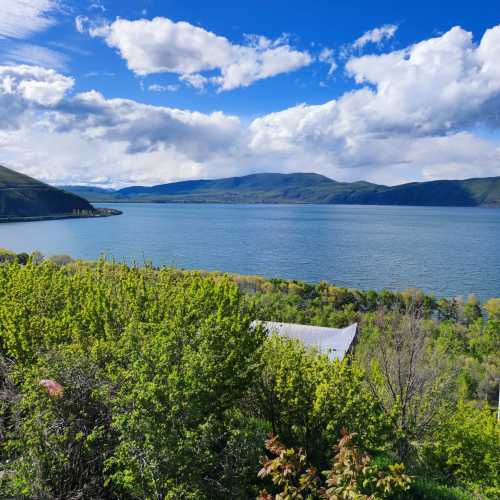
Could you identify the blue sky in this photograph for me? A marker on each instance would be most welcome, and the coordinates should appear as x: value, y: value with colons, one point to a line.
x: 350, y: 89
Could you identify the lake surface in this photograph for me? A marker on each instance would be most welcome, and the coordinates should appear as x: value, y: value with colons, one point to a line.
x: 447, y: 251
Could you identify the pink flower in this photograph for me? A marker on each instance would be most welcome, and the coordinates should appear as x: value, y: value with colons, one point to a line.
x: 53, y: 388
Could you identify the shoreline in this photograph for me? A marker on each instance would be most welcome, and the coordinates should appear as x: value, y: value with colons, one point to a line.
x: 99, y: 213
x: 289, y: 203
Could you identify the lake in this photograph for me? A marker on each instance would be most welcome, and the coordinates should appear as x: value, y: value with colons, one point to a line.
x: 446, y: 251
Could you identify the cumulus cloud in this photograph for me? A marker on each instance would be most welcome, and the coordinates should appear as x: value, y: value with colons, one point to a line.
x: 376, y: 35
x: 22, y: 18
x: 164, y: 46
x: 432, y: 88
x: 415, y: 115
x: 33, y: 85
x: 436, y: 88
x: 38, y: 110
x: 145, y: 128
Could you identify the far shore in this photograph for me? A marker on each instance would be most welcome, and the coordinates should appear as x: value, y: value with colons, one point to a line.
x: 99, y: 213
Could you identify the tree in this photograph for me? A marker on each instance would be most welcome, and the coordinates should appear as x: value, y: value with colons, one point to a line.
x: 175, y: 414
x: 408, y: 374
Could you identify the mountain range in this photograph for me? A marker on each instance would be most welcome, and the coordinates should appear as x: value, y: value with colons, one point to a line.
x: 25, y: 198
x: 303, y: 188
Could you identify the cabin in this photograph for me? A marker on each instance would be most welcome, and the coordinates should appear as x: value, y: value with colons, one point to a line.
x: 335, y: 342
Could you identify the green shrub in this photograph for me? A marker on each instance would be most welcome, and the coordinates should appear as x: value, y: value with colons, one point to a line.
x: 308, y: 399
x: 423, y: 489
x: 173, y: 414
x: 153, y: 365
x: 465, y: 447
x: 59, y: 443
x: 7, y: 255
x: 351, y: 474
x: 126, y: 382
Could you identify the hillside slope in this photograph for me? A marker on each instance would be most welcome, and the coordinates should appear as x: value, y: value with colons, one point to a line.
x: 304, y: 188
x: 24, y: 197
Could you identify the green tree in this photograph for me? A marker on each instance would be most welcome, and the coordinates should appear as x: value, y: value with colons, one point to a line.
x: 174, y: 413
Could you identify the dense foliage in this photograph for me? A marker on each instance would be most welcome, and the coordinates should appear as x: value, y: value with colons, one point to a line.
x: 351, y: 474
x: 127, y: 382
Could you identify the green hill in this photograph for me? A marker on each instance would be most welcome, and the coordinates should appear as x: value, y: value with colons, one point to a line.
x: 25, y: 198
x: 304, y: 188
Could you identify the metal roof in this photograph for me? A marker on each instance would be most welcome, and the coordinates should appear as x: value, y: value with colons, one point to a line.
x: 335, y: 342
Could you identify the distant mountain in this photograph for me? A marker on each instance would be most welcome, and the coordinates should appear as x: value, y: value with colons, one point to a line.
x: 93, y: 194
x: 304, y: 188
x: 25, y: 198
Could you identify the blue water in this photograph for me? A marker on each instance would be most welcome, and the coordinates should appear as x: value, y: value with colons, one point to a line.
x: 446, y: 251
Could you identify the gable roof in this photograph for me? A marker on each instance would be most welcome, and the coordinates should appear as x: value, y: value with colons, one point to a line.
x: 335, y: 342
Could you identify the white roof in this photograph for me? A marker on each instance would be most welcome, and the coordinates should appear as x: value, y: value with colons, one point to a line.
x: 335, y: 342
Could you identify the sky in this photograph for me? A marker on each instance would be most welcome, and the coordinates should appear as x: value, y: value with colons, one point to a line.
x: 114, y: 93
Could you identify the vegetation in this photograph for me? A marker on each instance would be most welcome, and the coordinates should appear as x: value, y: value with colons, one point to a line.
x: 304, y: 188
x: 136, y: 382
x: 350, y: 476
x: 24, y: 198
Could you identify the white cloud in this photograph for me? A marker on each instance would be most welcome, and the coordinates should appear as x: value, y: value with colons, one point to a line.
x: 70, y: 48
x: 97, y: 26
x: 32, y: 84
x: 97, y: 6
x: 414, y: 116
x: 35, y: 55
x: 434, y: 89
x: 434, y: 86
x: 93, y: 74
x: 195, y: 80
x: 376, y: 35
x: 81, y: 24
x: 87, y: 137
x: 327, y: 56
x: 74, y: 159
x: 163, y: 46
x: 22, y: 18
x: 155, y: 87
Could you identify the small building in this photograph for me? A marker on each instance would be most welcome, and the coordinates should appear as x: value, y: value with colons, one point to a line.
x: 335, y: 342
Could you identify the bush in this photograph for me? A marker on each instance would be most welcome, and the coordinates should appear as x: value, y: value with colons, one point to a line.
x: 492, y: 307
x: 351, y: 474
x: 308, y: 399
x: 60, y: 260
x: 127, y: 382
x: 465, y: 448
x: 152, y: 366
x: 7, y: 255
x: 423, y: 489
x: 60, y: 440
x: 173, y: 414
